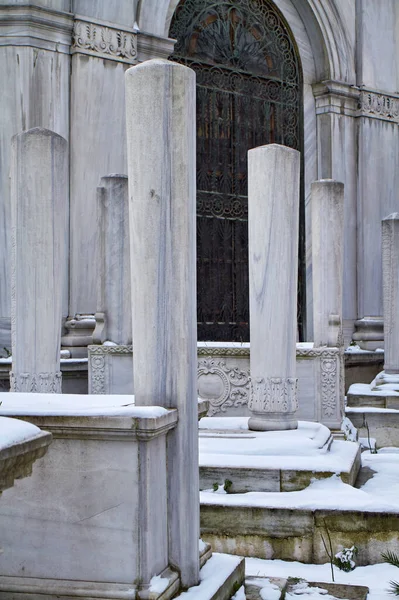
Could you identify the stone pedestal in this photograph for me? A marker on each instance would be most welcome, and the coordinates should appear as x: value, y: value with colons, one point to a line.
x: 39, y: 211
x: 390, y: 280
x: 327, y: 261
x: 273, y: 218
x: 113, y: 278
x: 160, y: 108
x: 78, y: 334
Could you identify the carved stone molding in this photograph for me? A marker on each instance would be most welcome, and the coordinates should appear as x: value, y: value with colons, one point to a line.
x: 379, y: 106
x: 104, y: 40
x: 318, y: 352
x: 101, y: 350
x: 35, y: 26
x: 46, y: 383
x: 330, y: 385
x: 273, y: 394
x: 99, y: 376
x: 231, y: 383
x: 223, y: 351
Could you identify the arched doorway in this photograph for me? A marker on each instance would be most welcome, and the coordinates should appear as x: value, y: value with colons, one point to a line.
x: 249, y: 93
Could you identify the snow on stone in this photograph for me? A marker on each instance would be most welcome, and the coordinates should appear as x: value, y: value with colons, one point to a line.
x: 158, y: 584
x: 212, y: 575
x: 240, y: 595
x: 380, y: 493
x: 13, y: 431
x: 75, y: 405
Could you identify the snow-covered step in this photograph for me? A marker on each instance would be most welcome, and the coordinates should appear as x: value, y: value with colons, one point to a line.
x: 220, y: 578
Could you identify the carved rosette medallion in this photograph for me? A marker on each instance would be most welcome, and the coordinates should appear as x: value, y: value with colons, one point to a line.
x: 273, y: 394
x: 229, y: 386
x: 45, y: 383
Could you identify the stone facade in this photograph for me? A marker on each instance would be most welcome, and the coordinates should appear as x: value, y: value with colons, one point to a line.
x: 223, y: 379
x: 66, y: 60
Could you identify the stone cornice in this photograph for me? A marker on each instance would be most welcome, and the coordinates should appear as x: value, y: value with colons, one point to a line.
x: 35, y: 26
x: 153, y: 46
x: 104, y: 40
x: 123, y: 427
x: 336, y: 97
x: 343, y: 99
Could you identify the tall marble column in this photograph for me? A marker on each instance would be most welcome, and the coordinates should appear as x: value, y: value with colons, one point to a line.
x: 113, y: 278
x: 273, y: 220
x: 390, y: 280
x: 39, y: 218
x: 160, y: 99
x: 327, y: 261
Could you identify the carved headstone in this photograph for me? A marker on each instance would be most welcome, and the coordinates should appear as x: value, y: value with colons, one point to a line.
x: 273, y: 220
x: 39, y: 213
x: 160, y: 105
x: 113, y: 295
x: 327, y: 261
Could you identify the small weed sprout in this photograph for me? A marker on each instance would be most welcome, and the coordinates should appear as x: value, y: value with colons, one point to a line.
x: 227, y: 485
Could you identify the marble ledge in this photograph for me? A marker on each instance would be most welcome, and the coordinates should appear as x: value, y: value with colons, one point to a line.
x: 101, y: 417
x: 36, y: 26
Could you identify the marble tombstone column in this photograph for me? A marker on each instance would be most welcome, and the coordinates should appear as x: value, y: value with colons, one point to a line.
x: 390, y: 280
x: 327, y: 261
x: 39, y: 217
x: 114, y: 307
x: 160, y: 99
x: 273, y: 220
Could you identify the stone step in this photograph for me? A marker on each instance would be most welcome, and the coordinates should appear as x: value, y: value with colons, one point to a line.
x: 220, y: 578
x: 296, y: 534
x: 362, y: 394
x: 284, y: 461
x: 382, y: 424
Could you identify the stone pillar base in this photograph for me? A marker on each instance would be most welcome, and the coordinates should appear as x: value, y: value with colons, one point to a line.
x: 369, y: 334
x: 272, y: 421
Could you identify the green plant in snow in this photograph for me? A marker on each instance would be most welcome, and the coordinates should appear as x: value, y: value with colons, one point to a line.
x: 392, y: 559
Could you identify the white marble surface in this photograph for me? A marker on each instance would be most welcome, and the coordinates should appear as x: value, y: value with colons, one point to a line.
x: 160, y: 113
x: 378, y: 182
x: 37, y: 83
x: 113, y: 275
x: 97, y: 129
x: 273, y: 219
x: 328, y: 254
x: 390, y: 279
x: 39, y: 217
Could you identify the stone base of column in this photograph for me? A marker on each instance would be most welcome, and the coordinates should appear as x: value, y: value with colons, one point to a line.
x: 79, y: 334
x: 273, y: 403
x: 45, y: 383
x: 369, y: 334
x: 272, y: 421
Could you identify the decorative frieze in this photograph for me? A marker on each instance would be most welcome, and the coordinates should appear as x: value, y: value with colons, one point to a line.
x: 379, y: 106
x: 273, y: 394
x: 46, y: 383
x: 104, y: 41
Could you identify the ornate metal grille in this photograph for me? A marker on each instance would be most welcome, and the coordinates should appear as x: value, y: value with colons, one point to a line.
x: 248, y: 94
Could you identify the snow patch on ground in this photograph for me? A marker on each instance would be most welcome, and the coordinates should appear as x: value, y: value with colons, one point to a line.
x: 375, y: 577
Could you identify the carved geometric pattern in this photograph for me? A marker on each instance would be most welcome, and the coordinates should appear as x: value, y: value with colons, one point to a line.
x: 273, y: 394
x: 46, y: 383
x: 379, y: 105
x: 234, y: 381
x: 104, y: 41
